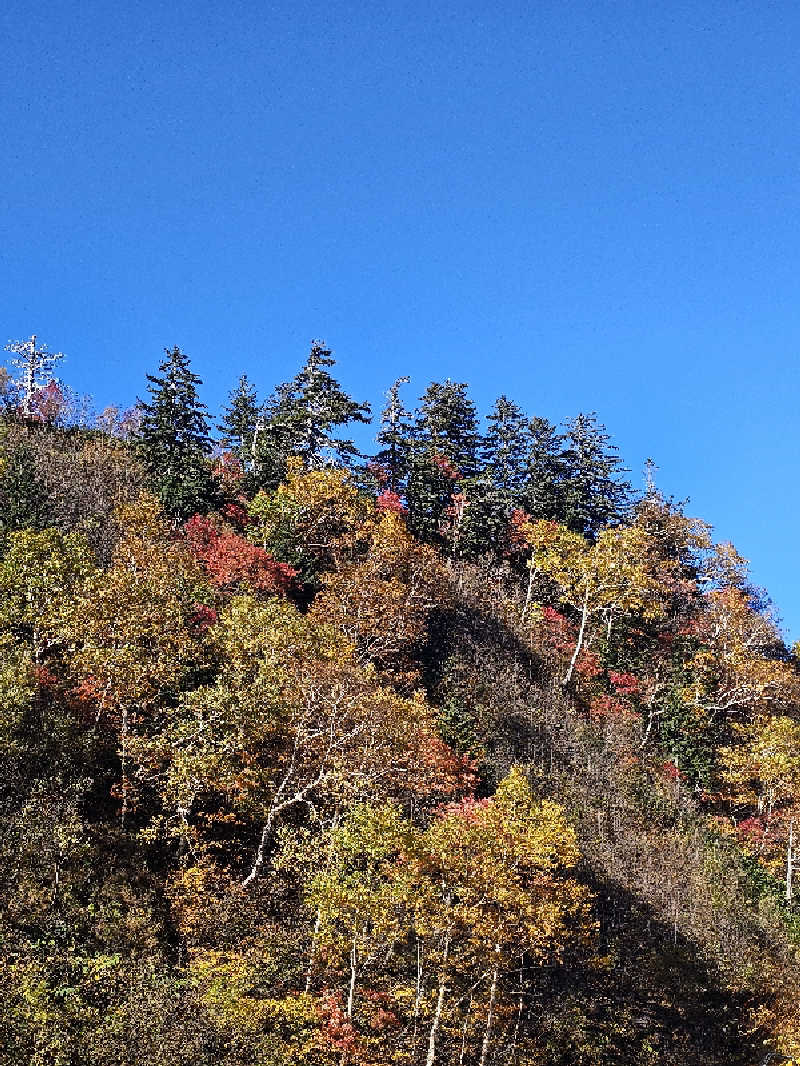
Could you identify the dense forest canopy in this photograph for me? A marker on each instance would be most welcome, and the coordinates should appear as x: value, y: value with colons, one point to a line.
x: 462, y: 752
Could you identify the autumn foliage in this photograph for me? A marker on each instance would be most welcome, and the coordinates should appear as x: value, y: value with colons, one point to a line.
x: 452, y: 760
x: 231, y: 562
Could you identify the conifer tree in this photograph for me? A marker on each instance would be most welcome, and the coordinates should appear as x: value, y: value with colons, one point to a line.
x: 301, y: 418
x: 240, y: 420
x: 395, y: 436
x: 545, y: 472
x: 312, y: 409
x: 174, y: 440
x: 595, y: 493
x: 506, y: 448
x: 445, y: 445
x: 492, y: 495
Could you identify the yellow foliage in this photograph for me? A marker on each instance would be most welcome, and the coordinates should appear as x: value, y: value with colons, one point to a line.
x: 317, y: 512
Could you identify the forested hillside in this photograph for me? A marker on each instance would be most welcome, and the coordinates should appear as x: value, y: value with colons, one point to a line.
x: 460, y: 753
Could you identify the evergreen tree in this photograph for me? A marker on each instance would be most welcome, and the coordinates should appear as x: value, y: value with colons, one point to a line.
x: 490, y: 496
x: 595, y: 494
x: 543, y: 495
x: 506, y: 448
x: 317, y: 405
x: 239, y: 421
x: 445, y: 446
x: 446, y: 424
x: 174, y: 440
x: 395, y: 436
x: 301, y: 418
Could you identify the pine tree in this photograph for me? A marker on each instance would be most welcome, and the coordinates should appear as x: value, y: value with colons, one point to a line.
x: 395, y: 436
x: 240, y: 420
x: 595, y: 493
x: 174, y: 440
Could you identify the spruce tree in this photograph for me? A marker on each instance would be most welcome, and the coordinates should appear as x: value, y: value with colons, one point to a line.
x: 395, y: 436
x: 302, y: 416
x: 493, y: 493
x: 240, y: 420
x: 174, y: 440
x: 506, y: 448
x: 595, y: 493
x: 444, y: 456
x: 545, y: 472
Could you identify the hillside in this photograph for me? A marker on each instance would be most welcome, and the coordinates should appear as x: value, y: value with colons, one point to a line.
x: 461, y: 753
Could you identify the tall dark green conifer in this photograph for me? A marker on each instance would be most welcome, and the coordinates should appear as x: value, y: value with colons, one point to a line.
x: 595, y: 493
x: 444, y: 455
x: 239, y: 421
x: 496, y: 490
x: 302, y: 416
x: 395, y: 436
x: 545, y: 472
x: 506, y: 448
x: 174, y: 440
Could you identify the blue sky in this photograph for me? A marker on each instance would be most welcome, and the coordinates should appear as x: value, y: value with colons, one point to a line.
x: 586, y: 205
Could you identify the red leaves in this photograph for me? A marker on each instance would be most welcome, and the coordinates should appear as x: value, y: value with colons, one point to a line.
x: 624, y: 684
x: 467, y: 808
x: 228, y: 470
x: 443, y: 464
x: 389, y: 501
x: 203, y: 618
x: 671, y: 772
x: 338, y: 1032
x: 44, y: 677
x: 48, y: 403
x: 229, y: 560
x: 604, y: 706
x: 553, y: 618
x: 236, y: 514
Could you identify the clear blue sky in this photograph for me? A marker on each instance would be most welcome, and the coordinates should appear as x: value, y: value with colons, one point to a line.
x: 586, y: 205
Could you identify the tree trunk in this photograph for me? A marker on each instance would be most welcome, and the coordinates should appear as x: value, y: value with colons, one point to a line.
x: 352, y: 990
x: 579, y: 644
x: 464, y: 1033
x: 529, y: 594
x: 789, y: 862
x: 490, y: 1016
x: 417, y: 998
x: 261, y: 851
x: 124, y: 761
x: 313, y: 953
x: 437, y: 1017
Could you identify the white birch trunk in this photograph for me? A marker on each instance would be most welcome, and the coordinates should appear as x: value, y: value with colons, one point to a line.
x: 579, y: 644
x: 490, y: 1015
x: 437, y: 1017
